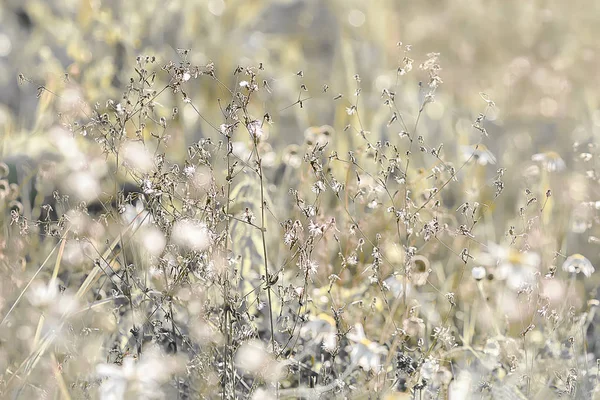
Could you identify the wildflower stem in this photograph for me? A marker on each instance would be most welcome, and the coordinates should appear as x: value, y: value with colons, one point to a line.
x: 264, y: 239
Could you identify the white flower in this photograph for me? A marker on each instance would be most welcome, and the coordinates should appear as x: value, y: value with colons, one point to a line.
x: 42, y: 295
x: 189, y: 170
x: 191, y: 234
x: 312, y: 267
x: 136, y: 215
x: 373, y: 204
x: 394, y: 284
x: 365, y: 353
x: 252, y: 356
x: 478, y: 273
x: 226, y: 129
x: 479, y: 153
x: 152, y: 240
x: 137, y: 156
x: 336, y: 186
x: 429, y: 368
x: 315, y: 229
x: 248, y: 216
x: 84, y: 185
x: 516, y: 267
x: 143, y: 377
x: 577, y: 263
x: 550, y: 160
x: 321, y: 330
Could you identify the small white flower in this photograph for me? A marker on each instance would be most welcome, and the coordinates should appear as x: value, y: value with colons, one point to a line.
x: 510, y: 265
x: 478, y: 273
x: 312, y: 267
x: 189, y: 170
x: 577, y: 263
x: 479, y: 153
x: 318, y: 187
x: 136, y: 155
x: 429, y: 368
x: 321, y: 330
x: 42, y: 295
x: 550, y: 160
x: 315, y: 229
x: 252, y: 356
x: 143, y: 377
x: 136, y: 215
x: 366, y: 354
x: 248, y: 216
x: 373, y: 204
x: 191, y: 234
x: 289, y: 238
x: 152, y: 240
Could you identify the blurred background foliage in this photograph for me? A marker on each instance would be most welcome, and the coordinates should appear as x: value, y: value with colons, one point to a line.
x: 536, y: 60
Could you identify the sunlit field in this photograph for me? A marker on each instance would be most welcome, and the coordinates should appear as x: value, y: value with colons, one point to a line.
x: 231, y: 199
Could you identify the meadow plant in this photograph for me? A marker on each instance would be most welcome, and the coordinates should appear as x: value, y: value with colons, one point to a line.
x: 373, y: 257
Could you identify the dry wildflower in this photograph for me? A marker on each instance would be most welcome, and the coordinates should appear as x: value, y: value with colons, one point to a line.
x: 445, y: 337
x: 255, y: 129
x: 201, y: 263
x: 318, y: 187
x: 4, y: 170
x: 418, y: 270
x: 414, y: 327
